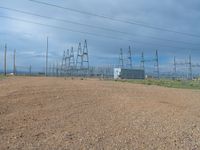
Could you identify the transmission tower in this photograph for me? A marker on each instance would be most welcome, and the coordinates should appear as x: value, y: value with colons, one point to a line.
x: 129, y: 64
x: 79, y: 59
x: 67, y: 59
x: 121, y: 59
x: 57, y: 69
x: 196, y: 66
x: 174, y: 65
x: 49, y: 69
x: 188, y: 65
x: 63, y: 62
x: 53, y: 70
x: 142, y: 61
x: 72, y: 59
x: 85, y: 57
x: 156, y: 65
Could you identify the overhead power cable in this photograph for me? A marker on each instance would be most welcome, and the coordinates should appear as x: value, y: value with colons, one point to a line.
x: 114, y: 19
x: 88, y: 33
x: 92, y: 26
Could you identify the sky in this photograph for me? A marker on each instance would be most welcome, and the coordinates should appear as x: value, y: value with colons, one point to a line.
x: 107, y: 25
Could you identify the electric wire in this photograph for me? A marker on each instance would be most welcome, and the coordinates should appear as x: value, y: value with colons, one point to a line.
x: 88, y: 33
x: 114, y: 19
x: 92, y: 26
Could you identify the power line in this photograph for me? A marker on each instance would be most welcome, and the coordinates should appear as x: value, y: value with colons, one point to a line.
x: 118, y: 20
x: 92, y: 26
x: 88, y: 33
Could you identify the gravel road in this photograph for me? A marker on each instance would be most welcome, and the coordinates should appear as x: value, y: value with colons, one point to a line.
x: 39, y: 113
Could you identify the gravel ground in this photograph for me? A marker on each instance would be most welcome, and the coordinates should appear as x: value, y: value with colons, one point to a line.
x: 58, y: 114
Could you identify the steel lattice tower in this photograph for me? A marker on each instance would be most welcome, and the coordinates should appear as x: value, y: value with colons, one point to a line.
x: 129, y: 64
x: 79, y: 59
x: 72, y: 59
x: 142, y: 61
x: 174, y: 65
x: 188, y: 64
x: 174, y: 69
x: 85, y: 57
x: 190, y: 68
x: 156, y: 65
x: 53, y: 69
x: 67, y: 59
x: 121, y: 59
x: 57, y: 69
x: 63, y: 62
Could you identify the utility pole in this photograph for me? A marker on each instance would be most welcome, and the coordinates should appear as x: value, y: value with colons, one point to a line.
x: 190, y: 67
x: 157, y: 65
x: 174, y: 76
x: 53, y: 69
x: 46, y: 69
x: 5, y: 56
x: 57, y: 70
x: 14, y: 63
x: 30, y: 72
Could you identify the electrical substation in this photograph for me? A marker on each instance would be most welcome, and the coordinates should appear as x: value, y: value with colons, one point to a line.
x: 75, y: 63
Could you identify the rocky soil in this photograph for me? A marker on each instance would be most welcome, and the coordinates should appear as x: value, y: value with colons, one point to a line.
x: 57, y: 114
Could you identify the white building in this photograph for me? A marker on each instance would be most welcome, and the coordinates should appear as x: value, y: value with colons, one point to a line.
x: 120, y: 73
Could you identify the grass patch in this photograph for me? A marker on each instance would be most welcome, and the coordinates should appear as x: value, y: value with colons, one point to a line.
x: 168, y: 83
x: 2, y: 77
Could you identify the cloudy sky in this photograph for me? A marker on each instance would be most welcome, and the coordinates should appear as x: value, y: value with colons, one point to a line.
x: 169, y: 26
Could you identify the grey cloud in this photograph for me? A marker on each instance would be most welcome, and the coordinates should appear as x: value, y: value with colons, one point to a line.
x: 177, y: 15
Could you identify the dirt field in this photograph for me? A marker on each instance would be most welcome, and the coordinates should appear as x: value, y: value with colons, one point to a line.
x: 59, y: 114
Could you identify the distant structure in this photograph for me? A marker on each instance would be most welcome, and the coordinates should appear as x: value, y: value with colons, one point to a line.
x: 123, y: 73
x: 190, y: 76
x: 155, y: 60
x: 63, y: 61
x: 142, y: 61
x: 76, y: 67
x: 121, y: 59
x: 187, y: 64
x: 47, y: 50
x: 67, y: 60
x: 156, y: 65
x: 79, y: 58
x: 71, y: 62
x: 5, y: 60
x: 14, y: 62
x: 85, y: 57
x: 127, y: 71
x: 129, y: 63
x: 174, y: 66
